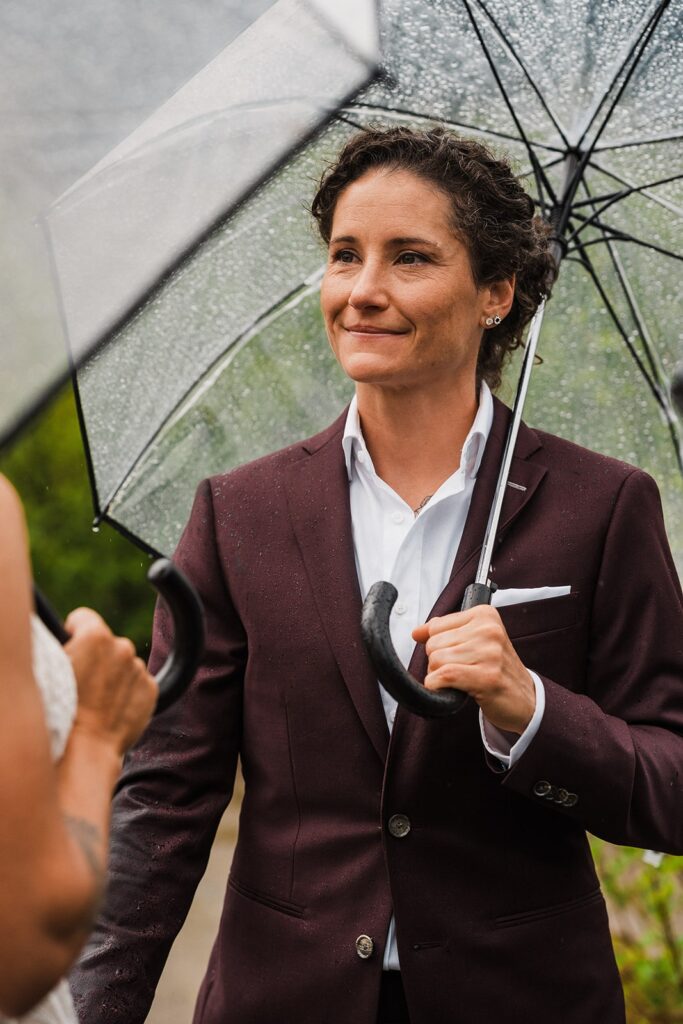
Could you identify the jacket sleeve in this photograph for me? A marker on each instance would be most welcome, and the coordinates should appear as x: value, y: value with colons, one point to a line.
x: 611, y: 757
x: 174, y: 788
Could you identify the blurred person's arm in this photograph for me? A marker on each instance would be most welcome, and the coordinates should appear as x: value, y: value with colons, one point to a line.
x: 53, y: 840
x: 176, y: 783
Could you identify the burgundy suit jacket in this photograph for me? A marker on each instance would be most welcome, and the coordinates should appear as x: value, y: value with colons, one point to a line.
x: 498, y: 910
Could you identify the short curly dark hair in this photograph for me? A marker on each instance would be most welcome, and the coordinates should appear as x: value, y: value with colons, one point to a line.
x: 492, y: 215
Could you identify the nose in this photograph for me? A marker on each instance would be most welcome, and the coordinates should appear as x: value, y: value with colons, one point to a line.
x: 369, y: 288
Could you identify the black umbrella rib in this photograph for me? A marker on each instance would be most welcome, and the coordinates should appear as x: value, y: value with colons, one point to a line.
x: 630, y: 143
x: 644, y: 334
x: 661, y: 391
x: 611, y: 234
x: 525, y: 71
x: 130, y: 536
x: 244, y: 335
x: 633, y: 56
x: 666, y: 204
x: 539, y: 175
x: 74, y: 365
x: 646, y: 340
x: 641, y: 39
x: 417, y: 116
x: 608, y: 201
x: 609, y: 198
x: 588, y: 266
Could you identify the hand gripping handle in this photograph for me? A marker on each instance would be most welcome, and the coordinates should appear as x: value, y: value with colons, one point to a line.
x: 173, y: 586
x: 403, y: 687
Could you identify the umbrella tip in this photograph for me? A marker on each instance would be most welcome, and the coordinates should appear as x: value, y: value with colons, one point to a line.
x: 677, y: 388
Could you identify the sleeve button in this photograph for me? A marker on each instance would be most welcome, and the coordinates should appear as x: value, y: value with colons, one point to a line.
x: 542, y: 789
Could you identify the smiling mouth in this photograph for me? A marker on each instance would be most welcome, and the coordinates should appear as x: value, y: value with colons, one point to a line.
x: 367, y: 329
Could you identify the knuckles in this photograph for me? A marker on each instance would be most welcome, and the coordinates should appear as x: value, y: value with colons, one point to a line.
x: 124, y: 649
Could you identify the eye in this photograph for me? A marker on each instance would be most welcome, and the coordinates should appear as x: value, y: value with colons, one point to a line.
x: 343, y: 256
x: 411, y: 259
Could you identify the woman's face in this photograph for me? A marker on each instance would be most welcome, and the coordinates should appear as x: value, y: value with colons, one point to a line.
x: 399, y: 300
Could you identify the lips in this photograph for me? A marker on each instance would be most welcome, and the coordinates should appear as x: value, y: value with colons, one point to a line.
x: 371, y: 329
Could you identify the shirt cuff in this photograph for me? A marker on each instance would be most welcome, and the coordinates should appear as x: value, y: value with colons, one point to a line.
x: 508, y: 747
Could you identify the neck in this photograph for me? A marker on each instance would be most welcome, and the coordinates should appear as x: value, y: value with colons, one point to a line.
x: 416, y: 439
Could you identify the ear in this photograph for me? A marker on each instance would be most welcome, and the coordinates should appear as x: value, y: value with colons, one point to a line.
x: 498, y: 297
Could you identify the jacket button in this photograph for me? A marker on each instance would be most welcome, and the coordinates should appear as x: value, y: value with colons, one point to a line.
x: 571, y: 799
x: 399, y: 825
x: 542, y: 789
x: 561, y: 796
x: 365, y: 947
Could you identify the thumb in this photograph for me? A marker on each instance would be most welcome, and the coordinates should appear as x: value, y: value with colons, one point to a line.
x: 421, y: 633
x: 82, y: 620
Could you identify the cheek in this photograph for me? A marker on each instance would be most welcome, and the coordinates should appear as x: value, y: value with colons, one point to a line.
x: 331, y: 297
x: 435, y: 316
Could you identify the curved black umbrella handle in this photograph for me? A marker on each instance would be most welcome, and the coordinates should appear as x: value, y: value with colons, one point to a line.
x: 185, y: 606
x: 177, y: 672
x: 392, y: 675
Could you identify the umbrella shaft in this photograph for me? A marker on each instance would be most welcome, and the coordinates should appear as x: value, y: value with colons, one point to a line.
x: 483, y: 569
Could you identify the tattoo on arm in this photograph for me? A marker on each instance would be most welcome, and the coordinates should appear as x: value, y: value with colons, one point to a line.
x: 89, y: 839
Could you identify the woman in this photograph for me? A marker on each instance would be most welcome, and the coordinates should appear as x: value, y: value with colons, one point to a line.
x: 391, y: 868
x: 97, y: 698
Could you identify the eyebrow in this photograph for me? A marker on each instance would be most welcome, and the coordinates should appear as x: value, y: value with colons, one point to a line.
x: 400, y: 240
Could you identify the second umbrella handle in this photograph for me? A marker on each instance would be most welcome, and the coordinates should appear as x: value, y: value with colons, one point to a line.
x: 395, y: 679
x: 185, y: 606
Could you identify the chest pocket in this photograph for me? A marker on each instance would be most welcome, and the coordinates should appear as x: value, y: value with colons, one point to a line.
x: 544, y: 616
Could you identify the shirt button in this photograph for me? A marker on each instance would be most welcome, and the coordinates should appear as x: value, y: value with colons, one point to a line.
x: 397, y: 517
x: 365, y: 947
x: 399, y: 825
x: 400, y: 608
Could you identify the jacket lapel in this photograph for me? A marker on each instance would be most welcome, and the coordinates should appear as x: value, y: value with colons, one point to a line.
x: 525, y: 475
x: 318, y: 496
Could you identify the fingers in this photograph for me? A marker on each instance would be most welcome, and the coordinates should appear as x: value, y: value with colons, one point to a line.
x: 471, y: 651
x: 82, y: 620
x: 476, y: 672
x: 460, y: 627
x: 116, y: 694
x: 466, y: 650
x: 455, y: 676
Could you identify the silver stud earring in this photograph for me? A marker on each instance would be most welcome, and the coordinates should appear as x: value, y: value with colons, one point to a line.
x: 496, y: 320
x: 489, y: 321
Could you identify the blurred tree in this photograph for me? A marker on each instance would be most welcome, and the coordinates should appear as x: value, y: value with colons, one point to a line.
x: 72, y: 564
x: 645, y: 899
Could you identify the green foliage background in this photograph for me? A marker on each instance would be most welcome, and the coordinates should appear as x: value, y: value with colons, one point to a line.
x: 73, y: 566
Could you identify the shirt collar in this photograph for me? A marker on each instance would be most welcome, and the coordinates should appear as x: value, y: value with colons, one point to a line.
x: 472, y: 450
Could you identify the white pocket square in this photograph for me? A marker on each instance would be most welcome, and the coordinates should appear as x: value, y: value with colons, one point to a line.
x: 522, y: 595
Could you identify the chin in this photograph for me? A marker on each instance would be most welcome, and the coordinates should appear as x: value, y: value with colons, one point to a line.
x: 369, y: 370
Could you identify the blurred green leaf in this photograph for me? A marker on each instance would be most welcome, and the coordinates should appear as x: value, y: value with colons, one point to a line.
x: 72, y: 565
x: 646, y: 916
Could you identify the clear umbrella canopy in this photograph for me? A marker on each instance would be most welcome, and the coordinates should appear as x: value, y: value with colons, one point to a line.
x: 78, y: 78
x: 75, y: 79
x: 227, y: 359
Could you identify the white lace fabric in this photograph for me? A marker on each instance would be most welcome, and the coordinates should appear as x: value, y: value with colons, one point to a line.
x: 57, y: 684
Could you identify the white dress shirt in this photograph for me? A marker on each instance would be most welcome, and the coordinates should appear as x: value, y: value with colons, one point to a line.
x: 416, y: 554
